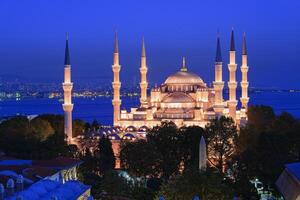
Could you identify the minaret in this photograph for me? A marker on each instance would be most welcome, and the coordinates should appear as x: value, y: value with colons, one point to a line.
x: 244, y: 69
x: 144, y: 83
x: 218, y: 83
x: 67, y: 87
x: 232, y: 102
x: 116, y: 84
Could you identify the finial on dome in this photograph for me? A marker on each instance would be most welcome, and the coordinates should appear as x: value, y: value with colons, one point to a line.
x: 183, y: 68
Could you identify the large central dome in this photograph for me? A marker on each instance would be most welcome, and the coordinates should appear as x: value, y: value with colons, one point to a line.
x: 184, y: 77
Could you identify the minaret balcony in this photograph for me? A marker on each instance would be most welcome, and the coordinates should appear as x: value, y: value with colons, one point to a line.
x: 244, y: 99
x: 116, y: 102
x: 218, y: 82
x: 67, y: 86
x: 116, y: 68
x: 218, y: 85
x: 232, y: 85
x: 144, y: 84
x: 68, y: 107
x: 244, y: 68
x: 244, y: 84
x: 232, y: 67
x: 143, y: 70
x: 116, y: 85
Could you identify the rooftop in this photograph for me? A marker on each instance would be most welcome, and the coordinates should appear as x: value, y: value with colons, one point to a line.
x: 33, y: 170
x: 294, y: 169
x: 47, y: 189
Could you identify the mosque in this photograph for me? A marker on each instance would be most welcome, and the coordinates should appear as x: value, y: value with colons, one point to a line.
x: 184, y: 97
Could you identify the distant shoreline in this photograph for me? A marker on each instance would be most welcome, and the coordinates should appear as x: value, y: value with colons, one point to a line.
x: 100, y: 108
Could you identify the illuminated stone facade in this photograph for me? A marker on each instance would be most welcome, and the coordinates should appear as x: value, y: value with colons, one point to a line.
x: 184, y: 97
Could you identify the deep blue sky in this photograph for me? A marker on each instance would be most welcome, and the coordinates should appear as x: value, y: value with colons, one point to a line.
x: 32, y: 34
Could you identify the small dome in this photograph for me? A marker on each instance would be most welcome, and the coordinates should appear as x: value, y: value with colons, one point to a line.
x: 178, y: 97
x: 114, y: 137
x: 143, y: 128
x: 130, y: 129
x: 128, y: 136
x: 184, y: 77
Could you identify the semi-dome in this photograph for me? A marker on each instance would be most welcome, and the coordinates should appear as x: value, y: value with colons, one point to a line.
x: 184, y: 77
x: 178, y: 97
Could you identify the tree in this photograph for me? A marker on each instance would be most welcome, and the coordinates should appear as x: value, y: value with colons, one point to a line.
x: 56, y: 122
x: 221, y: 134
x: 41, y: 129
x: 209, y: 185
x: 105, y: 155
x: 190, y: 145
x: 79, y: 127
x: 140, y: 158
x: 16, y: 138
x: 87, y: 172
x: 114, y: 186
x: 33, y: 139
x: 294, y: 138
x: 87, y: 126
x: 95, y: 125
x: 265, y: 144
x: 166, y: 140
x: 260, y: 116
x: 55, y: 146
x: 164, y: 150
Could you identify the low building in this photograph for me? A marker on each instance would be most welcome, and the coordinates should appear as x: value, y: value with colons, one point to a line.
x: 48, y: 190
x: 288, y: 182
x: 42, y: 179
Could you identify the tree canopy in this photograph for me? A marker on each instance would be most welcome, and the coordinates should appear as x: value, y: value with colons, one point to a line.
x: 221, y: 134
x: 105, y: 156
x: 39, y: 138
x: 209, y: 185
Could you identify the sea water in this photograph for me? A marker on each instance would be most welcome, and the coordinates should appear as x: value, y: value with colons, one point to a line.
x: 100, y: 108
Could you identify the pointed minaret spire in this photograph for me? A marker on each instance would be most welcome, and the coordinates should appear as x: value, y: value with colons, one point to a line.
x: 143, y: 48
x: 183, y: 68
x: 218, y: 53
x: 232, y: 46
x: 116, y: 45
x: 67, y: 53
x: 116, y: 50
x: 244, y: 50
